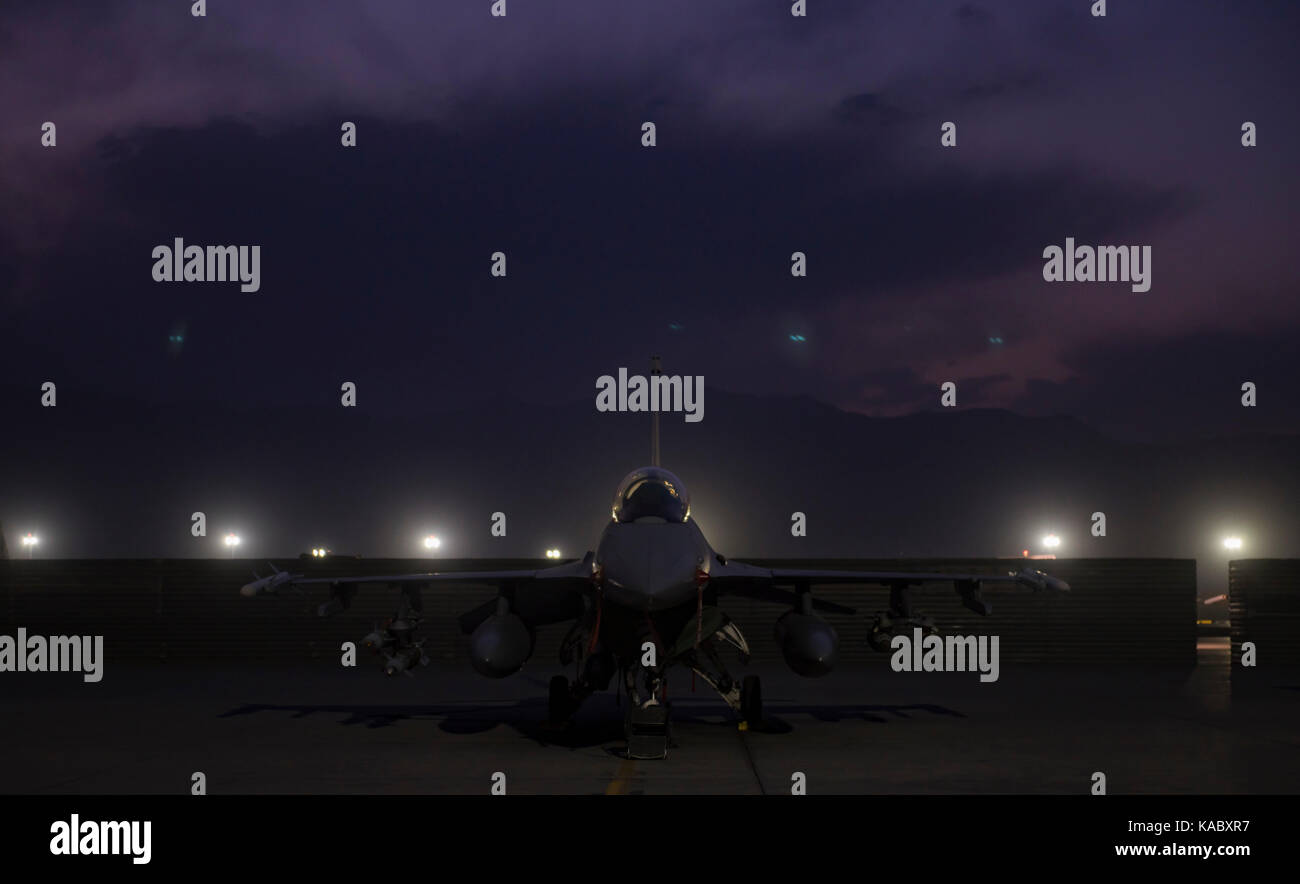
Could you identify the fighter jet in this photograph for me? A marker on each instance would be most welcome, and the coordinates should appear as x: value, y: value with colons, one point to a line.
x: 648, y: 599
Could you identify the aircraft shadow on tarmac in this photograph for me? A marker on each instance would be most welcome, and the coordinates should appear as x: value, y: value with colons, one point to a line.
x: 597, y: 724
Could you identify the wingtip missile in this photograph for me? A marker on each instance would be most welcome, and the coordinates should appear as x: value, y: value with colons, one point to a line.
x: 266, y: 584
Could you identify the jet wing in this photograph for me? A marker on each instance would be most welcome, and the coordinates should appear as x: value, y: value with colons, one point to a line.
x: 573, y: 570
x: 766, y: 583
x: 732, y: 571
x: 540, y: 596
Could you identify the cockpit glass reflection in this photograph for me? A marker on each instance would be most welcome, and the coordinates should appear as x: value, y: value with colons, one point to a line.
x: 651, y: 494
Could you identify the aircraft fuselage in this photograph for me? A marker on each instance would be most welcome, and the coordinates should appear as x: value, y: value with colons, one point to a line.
x: 652, y: 566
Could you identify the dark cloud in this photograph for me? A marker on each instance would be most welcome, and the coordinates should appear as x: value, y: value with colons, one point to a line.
x: 1180, y: 387
x: 1033, y: 82
x: 868, y: 109
x: 775, y: 135
x: 970, y: 14
x: 895, y: 391
x: 377, y: 260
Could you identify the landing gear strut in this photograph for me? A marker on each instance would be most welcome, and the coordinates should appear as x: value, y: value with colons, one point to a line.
x: 564, y: 698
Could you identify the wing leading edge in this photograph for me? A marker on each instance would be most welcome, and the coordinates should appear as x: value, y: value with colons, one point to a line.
x: 766, y: 584
x: 539, y: 595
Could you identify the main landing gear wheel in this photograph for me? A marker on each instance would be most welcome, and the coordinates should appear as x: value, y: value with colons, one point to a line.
x: 558, y: 701
x: 751, y: 701
x: 879, y: 639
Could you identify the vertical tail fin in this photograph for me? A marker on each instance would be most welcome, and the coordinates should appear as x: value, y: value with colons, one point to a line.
x: 655, y: 370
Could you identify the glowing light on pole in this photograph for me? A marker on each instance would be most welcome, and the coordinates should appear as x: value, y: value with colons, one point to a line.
x: 1051, y: 541
x: 30, y: 541
x: 1232, y: 543
x: 232, y: 541
x: 432, y: 542
x: 552, y: 553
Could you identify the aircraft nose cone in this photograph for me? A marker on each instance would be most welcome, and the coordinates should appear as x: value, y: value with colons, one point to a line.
x: 670, y: 577
x: 651, y: 567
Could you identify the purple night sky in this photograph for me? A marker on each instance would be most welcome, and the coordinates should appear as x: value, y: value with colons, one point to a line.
x: 775, y: 134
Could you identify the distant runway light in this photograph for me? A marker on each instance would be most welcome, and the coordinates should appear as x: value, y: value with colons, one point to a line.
x: 1051, y: 541
x: 798, y: 339
x: 552, y: 553
x: 432, y: 542
x: 1232, y: 543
